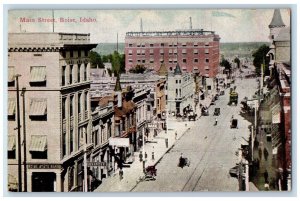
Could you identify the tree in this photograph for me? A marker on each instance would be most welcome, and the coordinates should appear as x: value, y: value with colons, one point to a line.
x: 225, y: 63
x: 117, y: 61
x: 261, y: 58
x: 138, y: 69
x: 96, y: 60
x: 237, y: 61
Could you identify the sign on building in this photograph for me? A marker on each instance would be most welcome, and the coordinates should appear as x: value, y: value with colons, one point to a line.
x: 119, y: 142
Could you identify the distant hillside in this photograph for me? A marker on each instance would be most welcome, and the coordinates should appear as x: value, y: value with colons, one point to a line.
x: 227, y: 49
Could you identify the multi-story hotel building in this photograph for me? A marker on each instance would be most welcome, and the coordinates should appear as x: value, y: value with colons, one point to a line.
x: 195, y: 50
x: 55, y: 110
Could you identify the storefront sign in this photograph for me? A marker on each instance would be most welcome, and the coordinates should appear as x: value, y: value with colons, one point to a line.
x: 44, y: 166
x: 98, y: 163
x: 119, y: 142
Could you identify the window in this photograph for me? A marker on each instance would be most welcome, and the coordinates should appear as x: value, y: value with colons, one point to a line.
x: 63, y: 76
x: 85, y: 71
x: 38, y: 147
x: 161, y: 52
x: 38, y: 109
x: 195, y: 51
x: 151, y: 51
x: 138, y: 61
x: 63, y: 108
x: 143, y: 61
x: 79, y: 103
x: 195, y: 44
x: 38, y: 76
x: 207, y: 60
x: 11, y: 147
x: 138, y: 52
x: 79, y: 53
x: 143, y: 44
x: 184, y: 60
x: 151, y: 45
x: 64, y: 146
x: 195, y: 60
x: 11, y: 109
x: 71, y: 74
x: 71, y: 140
x: 130, y: 60
x: 130, y: 52
x: 71, y: 106
x: 184, y: 51
x: 151, y: 60
x: 162, y: 45
x: 170, y: 61
x: 85, y: 101
x: 130, y: 45
x: 71, y: 54
x: 206, y: 51
x: 206, y: 44
x: 183, y: 44
x: 176, y: 81
x: 11, y: 76
x: 78, y: 73
x: 208, y: 87
x: 143, y: 52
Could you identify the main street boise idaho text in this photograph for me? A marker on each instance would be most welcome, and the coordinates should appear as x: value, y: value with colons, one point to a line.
x: 57, y: 20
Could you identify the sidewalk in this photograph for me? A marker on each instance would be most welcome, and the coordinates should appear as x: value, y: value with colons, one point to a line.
x: 158, y: 146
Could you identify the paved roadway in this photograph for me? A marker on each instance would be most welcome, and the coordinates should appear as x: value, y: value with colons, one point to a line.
x: 211, y: 150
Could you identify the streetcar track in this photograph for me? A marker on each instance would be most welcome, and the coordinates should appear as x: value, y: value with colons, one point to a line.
x: 209, y: 145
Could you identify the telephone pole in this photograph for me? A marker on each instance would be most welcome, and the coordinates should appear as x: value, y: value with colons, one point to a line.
x: 19, y: 135
x: 24, y: 141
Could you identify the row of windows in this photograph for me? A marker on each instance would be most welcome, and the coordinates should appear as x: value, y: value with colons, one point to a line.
x: 72, y: 74
x: 162, y: 61
x: 82, y: 98
x: 151, y: 52
x: 34, y: 154
x: 165, y: 44
x: 75, y: 54
x: 38, y: 75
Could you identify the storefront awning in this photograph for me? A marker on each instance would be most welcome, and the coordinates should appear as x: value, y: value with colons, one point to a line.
x: 38, y: 74
x: 38, y: 107
x: 11, y: 143
x: 38, y: 143
x: 119, y: 142
x: 11, y: 106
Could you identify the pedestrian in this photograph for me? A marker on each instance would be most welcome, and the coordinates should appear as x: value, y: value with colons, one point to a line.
x: 121, y: 173
x: 216, y: 121
x: 175, y: 135
x: 266, y: 154
x: 266, y: 176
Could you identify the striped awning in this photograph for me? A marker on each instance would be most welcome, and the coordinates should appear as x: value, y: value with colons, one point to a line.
x: 11, y: 143
x: 11, y: 73
x: 38, y: 143
x: 38, y: 107
x: 38, y: 74
x: 11, y: 106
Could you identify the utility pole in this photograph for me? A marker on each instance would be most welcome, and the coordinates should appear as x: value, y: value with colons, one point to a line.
x: 24, y: 140
x: 19, y: 135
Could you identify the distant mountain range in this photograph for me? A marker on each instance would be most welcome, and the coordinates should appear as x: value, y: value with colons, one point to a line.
x: 244, y: 49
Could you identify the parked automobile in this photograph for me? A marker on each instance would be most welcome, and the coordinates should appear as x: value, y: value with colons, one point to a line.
x: 234, y: 123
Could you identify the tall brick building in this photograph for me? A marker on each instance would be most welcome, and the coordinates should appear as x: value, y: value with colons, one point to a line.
x: 195, y: 50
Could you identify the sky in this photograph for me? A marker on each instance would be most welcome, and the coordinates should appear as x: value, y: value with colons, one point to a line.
x: 232, y: 25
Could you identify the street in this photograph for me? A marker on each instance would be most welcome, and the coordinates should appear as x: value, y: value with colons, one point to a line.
x: 211, y: 149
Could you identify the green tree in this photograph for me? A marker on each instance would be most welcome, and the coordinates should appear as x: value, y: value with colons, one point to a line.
x: 138, y: 69
x: 237, y: 61
x: 261, y: 58
x: 225, y: 63
x: 95, y: 60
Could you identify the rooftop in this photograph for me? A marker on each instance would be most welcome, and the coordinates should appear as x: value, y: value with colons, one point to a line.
x: 276, y: 20
x: 185, y: 32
